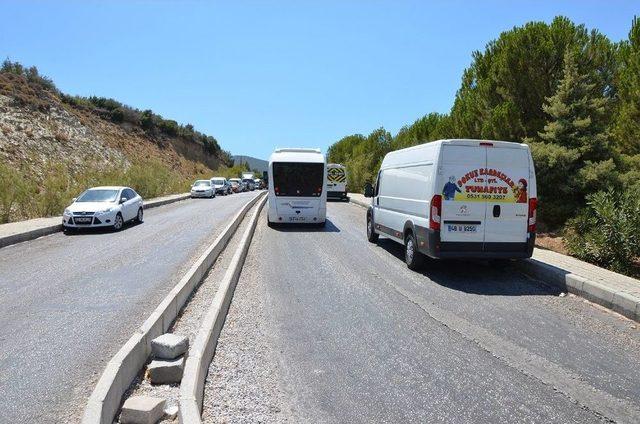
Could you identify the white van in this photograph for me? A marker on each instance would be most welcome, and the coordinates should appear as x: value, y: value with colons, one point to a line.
x: 456, y: 199
x: 296, y: 187
x: 336, y: 181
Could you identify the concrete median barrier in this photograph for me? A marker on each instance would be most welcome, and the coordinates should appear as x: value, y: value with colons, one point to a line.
x: 203, y: 349
x: 106, y: 398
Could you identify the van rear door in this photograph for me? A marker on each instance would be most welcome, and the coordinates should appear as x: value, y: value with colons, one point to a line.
x: 461, y: 186
x: 507, y: 211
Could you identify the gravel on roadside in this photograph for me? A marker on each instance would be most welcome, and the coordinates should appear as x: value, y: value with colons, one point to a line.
x: 244, y: 383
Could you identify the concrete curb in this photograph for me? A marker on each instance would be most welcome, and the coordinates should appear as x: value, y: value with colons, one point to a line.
x: 619, y: 301
x: 50, y: 229
x: 105, y: 400
x: 358, y: 202
x: 202, y: 351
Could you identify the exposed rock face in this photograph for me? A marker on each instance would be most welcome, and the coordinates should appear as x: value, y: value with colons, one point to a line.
x: 31, y: 138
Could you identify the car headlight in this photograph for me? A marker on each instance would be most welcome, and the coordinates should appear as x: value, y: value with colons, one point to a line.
x: 66, y: 212
x: 111, y: 209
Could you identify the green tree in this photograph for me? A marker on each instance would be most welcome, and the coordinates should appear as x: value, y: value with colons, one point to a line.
x: 627, y: 126
x: 574, y: 154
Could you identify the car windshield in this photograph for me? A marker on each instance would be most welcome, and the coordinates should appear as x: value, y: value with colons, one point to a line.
x: 98, y: 196
x: 218, y: 181
x: 202, y: 183
x: 298, y: 178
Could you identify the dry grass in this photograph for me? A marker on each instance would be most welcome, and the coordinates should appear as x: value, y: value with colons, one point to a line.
x: 551, y: 241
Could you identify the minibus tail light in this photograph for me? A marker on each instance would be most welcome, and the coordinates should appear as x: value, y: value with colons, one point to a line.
x: 533, y: 206
x: 436, y: 212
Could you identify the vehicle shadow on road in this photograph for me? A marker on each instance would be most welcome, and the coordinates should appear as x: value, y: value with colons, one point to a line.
x: 99, y: 230
x: 475, y: 276
x: 329, y: 227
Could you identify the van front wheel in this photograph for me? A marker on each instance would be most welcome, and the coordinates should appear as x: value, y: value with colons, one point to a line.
x: 372, y: 236
x: 412, y: 257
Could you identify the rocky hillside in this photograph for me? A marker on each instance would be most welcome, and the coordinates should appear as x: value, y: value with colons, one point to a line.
x: 52, y: 146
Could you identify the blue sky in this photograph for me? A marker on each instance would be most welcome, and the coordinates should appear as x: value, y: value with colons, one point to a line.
x: 262, y: 74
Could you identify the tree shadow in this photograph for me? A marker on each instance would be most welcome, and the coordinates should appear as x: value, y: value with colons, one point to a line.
x: 482, y: 277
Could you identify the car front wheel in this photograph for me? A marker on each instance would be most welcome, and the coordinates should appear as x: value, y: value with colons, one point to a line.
x: 140, y: 216
x: 118, y: 222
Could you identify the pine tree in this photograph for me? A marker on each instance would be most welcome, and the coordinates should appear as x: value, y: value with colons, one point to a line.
x: 574, y: 156
x: 577, y: 115
x: 627, y: 128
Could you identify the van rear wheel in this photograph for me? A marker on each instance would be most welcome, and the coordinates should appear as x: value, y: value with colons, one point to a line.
x: 372, y: 236
x: 412, y: 257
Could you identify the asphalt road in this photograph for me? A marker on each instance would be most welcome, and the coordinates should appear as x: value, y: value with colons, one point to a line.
x: 357, y: 337
x: 69, y: 302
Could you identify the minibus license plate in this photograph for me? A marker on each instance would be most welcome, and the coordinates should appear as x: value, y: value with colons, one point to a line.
x: 462, y: 228
x: 297, y: 219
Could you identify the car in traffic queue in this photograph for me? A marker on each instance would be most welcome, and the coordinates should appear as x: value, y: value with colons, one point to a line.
x: 241, y: 185
x: 221, y: 185
x: 203, y: 188
x: 236, y: 185
x: 249, y: 183
x: 109, y: 206
x: 464, y: 199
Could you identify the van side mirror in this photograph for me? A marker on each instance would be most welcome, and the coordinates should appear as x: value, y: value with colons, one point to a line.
x: 368, y: 190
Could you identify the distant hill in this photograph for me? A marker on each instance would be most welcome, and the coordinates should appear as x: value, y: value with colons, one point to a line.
x: 254, y: 163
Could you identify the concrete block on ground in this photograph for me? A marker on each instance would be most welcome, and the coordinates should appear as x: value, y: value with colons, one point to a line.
x: 171, y: 412
x: 169, y: 346
x: 166, y: 371
x: 142, y: 410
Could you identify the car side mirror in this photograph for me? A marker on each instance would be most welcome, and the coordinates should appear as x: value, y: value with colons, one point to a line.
x: 122, y: 200
x: 74, y: 199
x: 368, y: 190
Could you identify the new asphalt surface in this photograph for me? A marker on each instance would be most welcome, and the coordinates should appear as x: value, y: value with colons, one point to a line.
x: 69, y: 302
x: 352, y: 335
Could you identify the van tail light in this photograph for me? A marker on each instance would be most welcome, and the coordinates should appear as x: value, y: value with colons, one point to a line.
x: 436, y: 212
x: 533, y: 206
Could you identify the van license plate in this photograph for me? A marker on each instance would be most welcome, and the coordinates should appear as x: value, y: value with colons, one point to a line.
x: 460, y: 228
x: 297, y: 219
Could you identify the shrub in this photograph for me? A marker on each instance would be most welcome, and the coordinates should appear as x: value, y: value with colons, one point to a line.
x: 13, y: 192
x: 607, y: 231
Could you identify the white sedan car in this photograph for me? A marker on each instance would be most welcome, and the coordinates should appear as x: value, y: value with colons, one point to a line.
x: 104, y: 207
x: 203, y: 188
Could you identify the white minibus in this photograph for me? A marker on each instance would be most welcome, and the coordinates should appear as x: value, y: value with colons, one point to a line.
x: 456, y: 199
x: 336, y: 181
x: 296, y: 187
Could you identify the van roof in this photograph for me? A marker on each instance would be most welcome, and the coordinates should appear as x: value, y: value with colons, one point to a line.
x: 466, y: 142
x: 297, y: 155
x: 401, y: 157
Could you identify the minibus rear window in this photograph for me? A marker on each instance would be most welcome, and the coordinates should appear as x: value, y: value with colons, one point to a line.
x: 298, y: 179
